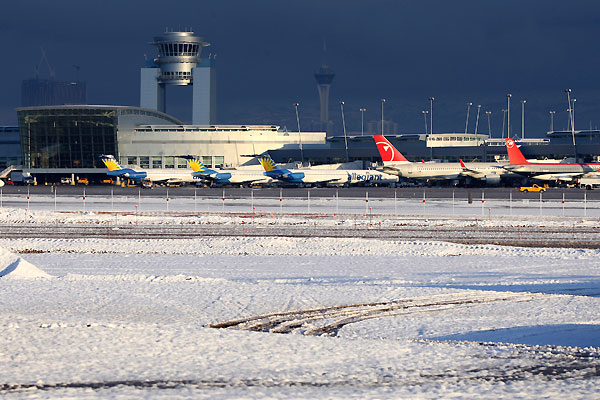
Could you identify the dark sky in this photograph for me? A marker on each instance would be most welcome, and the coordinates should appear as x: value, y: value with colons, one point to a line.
x: 267, y: 52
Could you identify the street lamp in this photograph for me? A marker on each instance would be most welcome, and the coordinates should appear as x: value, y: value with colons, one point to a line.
x: 523, y: 119
x: 568, y: 92
x: 425, y: 112
x: 477, y: 119
x: 382, y: 102
x: 467, y: 121
x: 573, y: 113
x: 508, y: 96
x: 362, y: 121
x: 503, y: 120
x: 344, y: 125
x: 488, y: 113
x: 299, y: 134
x: 431, y: 99
x: 552, y: 120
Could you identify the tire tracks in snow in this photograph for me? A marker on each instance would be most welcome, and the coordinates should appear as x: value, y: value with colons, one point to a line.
x: 327, y: 321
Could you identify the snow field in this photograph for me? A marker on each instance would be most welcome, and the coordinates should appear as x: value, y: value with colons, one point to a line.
x: 131, y: 318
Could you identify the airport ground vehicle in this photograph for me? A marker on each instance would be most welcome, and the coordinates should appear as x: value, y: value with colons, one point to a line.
x: 589, y: 183
x: 21, y: 178
x: 534, y: 188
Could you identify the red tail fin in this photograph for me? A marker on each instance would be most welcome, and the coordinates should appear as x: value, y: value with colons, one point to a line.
x: 387, y: 151
x: 514, y: 154
x: 462, y: 164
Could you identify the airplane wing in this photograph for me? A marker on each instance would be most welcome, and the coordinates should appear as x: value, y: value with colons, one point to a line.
x: 325, y: 181
x: 470, y: 172
x: 166, y: 180
x: 564, y: 177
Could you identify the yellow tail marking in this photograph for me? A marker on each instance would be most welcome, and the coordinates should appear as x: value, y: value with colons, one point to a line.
x: 111, y: 164
x: 196, y: 165
x: 267, y: 163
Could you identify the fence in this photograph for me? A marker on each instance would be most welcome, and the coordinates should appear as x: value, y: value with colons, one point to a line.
x: 472, y: 203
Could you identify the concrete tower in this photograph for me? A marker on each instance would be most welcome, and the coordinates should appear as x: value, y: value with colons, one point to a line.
x: 179, y: 64
x: 324, y: 78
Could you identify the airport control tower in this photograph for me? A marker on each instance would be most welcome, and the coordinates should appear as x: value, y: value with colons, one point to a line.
x: 179, y: 64
x: 324, y: 78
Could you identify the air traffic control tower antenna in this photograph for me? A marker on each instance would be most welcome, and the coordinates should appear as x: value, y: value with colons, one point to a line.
x: 179, y: 64
x: 324, y: 78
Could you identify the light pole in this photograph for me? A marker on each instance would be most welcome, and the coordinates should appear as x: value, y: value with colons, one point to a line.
x: 552, y: 120
x: 362, y: 121
x: 573, y: 113
x: 477, y: 119
x: 299, y: 134
x: 467, y: 120
x: 425, y: 112
x: 344, y: 125
x: 568, y: 92
x: 431, y: 99
x: 508, y: 96
x: 523, y: 119
x: 488, y: 113
x: 382, y: 102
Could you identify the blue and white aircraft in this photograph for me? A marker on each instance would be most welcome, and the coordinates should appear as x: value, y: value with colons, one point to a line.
x: 156, y: 176
x: 323, y: 176
x: 220, y: 177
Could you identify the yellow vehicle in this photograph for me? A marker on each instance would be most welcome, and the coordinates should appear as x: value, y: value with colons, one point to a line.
x: 534, y: 188
x: 83, y: 181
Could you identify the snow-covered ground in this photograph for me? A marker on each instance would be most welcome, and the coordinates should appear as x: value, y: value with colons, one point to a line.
x: 356, y: 318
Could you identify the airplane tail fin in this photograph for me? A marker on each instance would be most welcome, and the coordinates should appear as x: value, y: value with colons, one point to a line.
x: 514, y: 154
x: 195, y: 163
x: 267, y: 163
x: 110, y: 162
x: 388, y: 153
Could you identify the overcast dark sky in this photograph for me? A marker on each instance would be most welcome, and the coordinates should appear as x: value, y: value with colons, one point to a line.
x: 406, y: 51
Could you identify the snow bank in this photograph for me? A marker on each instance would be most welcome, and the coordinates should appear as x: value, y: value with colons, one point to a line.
x: 13, y: 266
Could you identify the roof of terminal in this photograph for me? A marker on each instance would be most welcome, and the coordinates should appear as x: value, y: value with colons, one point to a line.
x: 105, y: 107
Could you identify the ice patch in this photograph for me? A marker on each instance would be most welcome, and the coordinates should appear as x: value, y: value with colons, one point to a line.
x: 14, y: 267
x: 573, y: 335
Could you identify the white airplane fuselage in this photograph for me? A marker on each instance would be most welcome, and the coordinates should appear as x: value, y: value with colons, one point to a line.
x: 439, y: 171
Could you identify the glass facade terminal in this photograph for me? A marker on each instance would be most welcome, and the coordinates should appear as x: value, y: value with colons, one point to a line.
x: 67, y: 137
x: 74, y: 136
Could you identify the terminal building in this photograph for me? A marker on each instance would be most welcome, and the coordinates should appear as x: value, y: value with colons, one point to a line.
x: 54, y: 141
x: 67, y: 140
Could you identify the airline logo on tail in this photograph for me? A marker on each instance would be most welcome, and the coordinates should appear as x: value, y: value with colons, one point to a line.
x: 110, y: 162
x: 387, y: 151
x: 268, y: 164
x: 195, y: 163
x: 514, y: 154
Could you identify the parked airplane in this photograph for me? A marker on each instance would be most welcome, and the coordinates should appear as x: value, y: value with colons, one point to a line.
x: 221, y: 177
x: 159, y: 176
x: 546, y: 171
x: 395, y: 163
x: 324, y: 176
